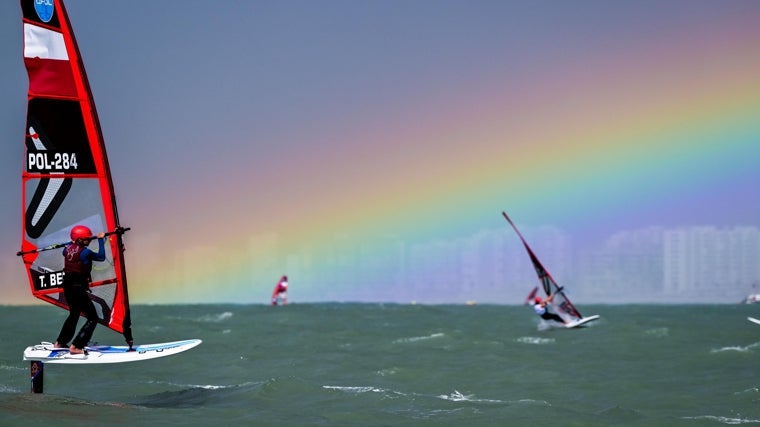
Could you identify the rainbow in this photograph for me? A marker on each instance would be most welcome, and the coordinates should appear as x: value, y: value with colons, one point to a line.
x: 613, y: 140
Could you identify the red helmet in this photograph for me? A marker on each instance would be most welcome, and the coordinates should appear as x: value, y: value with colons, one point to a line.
x: 80, y: 232
x: 538, y: 300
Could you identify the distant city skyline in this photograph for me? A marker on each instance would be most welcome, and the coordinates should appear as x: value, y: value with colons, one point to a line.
x: 705, y: 264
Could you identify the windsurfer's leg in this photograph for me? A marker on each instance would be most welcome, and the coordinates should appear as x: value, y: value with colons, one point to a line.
x: 84, y: 335
x: 70, y: 324
x: 552, y: 316
x: 67, y: 330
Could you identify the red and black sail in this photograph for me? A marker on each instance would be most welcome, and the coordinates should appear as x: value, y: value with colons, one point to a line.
x: 560, y: 303
x: 66, y: 179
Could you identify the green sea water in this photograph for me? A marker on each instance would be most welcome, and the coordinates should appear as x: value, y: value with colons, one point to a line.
x: 387, y: 364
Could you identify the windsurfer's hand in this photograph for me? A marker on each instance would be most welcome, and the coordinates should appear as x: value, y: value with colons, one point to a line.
x: 101, y: 235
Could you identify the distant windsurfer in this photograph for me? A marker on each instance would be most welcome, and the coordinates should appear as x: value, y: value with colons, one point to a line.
x: 280, y: 293
x: 541, y: 307
x: 77, y: 266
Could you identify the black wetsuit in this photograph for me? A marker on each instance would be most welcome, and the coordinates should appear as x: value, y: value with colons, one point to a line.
x: 76, y: 285
x: 552, y: 316
x: 546, y: 314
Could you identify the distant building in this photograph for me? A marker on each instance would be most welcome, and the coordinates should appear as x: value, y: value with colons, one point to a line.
x: 709, y: 261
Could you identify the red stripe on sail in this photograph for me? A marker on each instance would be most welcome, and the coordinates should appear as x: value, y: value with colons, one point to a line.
x: 50, y: 77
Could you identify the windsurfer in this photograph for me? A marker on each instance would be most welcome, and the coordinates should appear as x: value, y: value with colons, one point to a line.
x: 541, y: 307
x: 77, y: 266
x: 280, y: 291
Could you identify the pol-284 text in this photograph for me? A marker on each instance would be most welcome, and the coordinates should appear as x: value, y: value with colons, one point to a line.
x: 50, y: 161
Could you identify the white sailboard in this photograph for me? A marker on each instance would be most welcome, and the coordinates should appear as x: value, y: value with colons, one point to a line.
x: 582, y: 321
x: 45, y: 352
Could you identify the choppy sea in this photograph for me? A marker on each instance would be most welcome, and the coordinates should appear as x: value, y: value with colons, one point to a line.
x: 388, y: 364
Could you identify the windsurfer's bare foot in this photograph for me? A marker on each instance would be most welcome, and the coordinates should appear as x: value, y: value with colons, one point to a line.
x: 59, y: 345
x: 74, y: 350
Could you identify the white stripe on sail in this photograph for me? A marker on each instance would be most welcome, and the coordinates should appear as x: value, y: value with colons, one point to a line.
x: 54, y: 184
x: 37, y: 141
x: 43, y: 43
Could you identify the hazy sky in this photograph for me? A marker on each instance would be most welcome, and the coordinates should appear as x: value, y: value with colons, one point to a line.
x: 230, y: 121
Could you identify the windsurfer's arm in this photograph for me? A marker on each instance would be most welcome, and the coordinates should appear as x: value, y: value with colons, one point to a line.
x: 100, y: 255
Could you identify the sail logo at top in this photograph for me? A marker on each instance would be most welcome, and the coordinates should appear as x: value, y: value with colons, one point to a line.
x: 44, y: 9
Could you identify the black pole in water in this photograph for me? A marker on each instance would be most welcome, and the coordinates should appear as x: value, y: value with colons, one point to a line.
x: 36, y: 371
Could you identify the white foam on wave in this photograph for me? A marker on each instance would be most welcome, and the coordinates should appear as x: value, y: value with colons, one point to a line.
x: 753, y: 390
x: 216, y: 317
x: 737, y: 348
x: 535, y: 340
x: 6, y: 389
x: 355, y: 389
x: 724, y: 420
x: 210, y: 386
x: 423, y: 338
x: 532, y: 402
x: 388, y: 371
x: 205, y: 386
x: 457, y: 396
